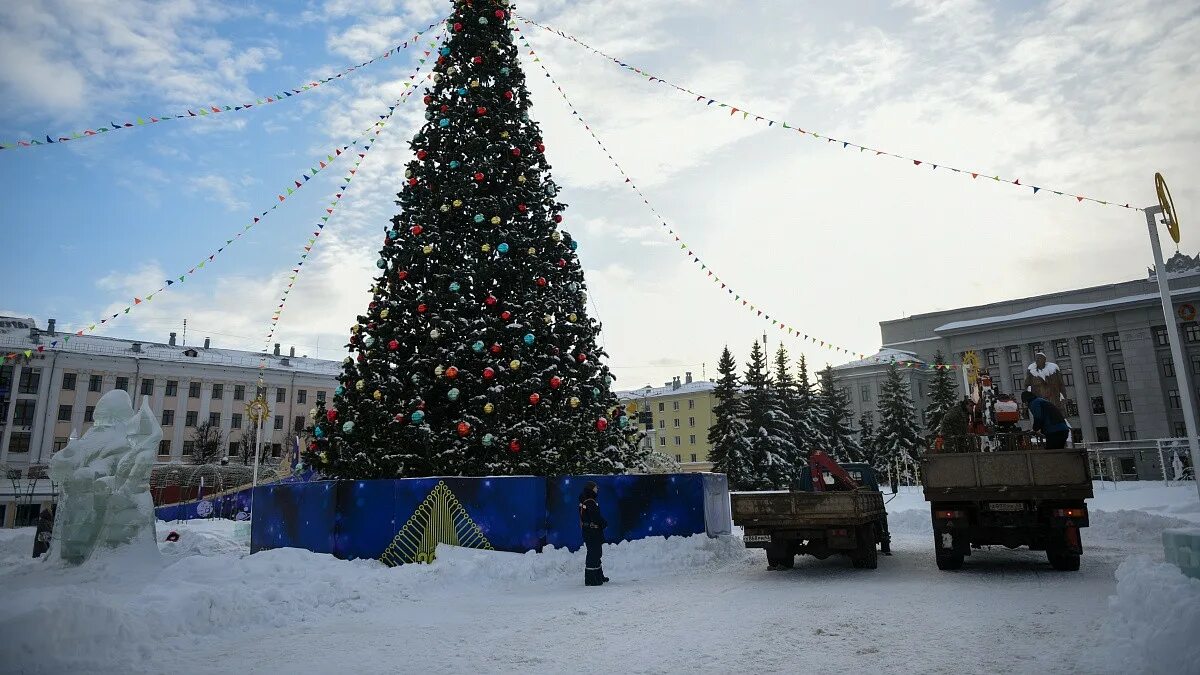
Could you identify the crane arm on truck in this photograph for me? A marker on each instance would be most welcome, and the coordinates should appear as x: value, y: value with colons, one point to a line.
x: 820, y: 464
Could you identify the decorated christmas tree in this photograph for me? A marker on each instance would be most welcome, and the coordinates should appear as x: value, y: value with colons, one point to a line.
x: 943, y: 395
x: 476, y: 355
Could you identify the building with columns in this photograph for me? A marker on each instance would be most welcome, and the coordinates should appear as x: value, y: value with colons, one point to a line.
x: 48, y: 396
x: 1110, y: 343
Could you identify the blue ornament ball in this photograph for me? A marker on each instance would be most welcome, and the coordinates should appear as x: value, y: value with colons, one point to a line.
x: 445, y: 51
x: 503, y: 248
x: 528, y: 338
x: 319, y: 432
x: 452, y: 394
x: 417, y: 416
x: 477, y: 347
x: 462, y: 91
x: 574, y: 245
x: 454, y: 287
x: 454, y: 164
x: 504, y: 70
x: 483, y: 20
x: 381, y: 263
x: 444, y: 122
x: 392, y: 234
x: 339, y: 391
x: 479, y: 217
x: 595, y: 392
x: 488, y: 439
x: 348, y: 427
x: 622, y: 421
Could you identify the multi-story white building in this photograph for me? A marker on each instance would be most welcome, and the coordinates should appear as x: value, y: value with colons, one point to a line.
x: 49, y: 396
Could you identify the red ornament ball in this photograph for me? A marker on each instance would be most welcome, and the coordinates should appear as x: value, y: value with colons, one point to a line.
x: 478, y: 176
x: 331, y: 414
x: 477, y: 60
x: 562, y: 263
x: 499, y: 14
x: 312, y: 445
x: 555, y: 382
x: 516, y: 152
x: 394, y: 345
x: 488, y: 373
x: 416, y: 230
x: 463, y: 428
x: 506, y: 315
x: 514, y: 445
x: 457, y: 26
x: 402, y: 275
x: 508, y: 95
x: 557, y: 218
x: 428, y: 99
x: 421, y: 154
x: 535, y: 398
x: 495, y: 348
x: 541, y: 147
x: 445, y: 108
x: 490, y: 300
x: 421, y: 308
x: 601, y: 424
x: 400, y: 417
x: 541, y: 281
x: 372, y: 305
x: 412, y: 181
x: 522, y: 208
x: 420, y: 405
x: 452, y: 372
x: 362, y: 357
x: 581, y: 357
x: 481, y: 111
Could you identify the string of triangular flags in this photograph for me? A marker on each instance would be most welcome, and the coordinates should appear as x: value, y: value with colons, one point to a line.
x: 409, y: 88
x: 709, y: 101
x: 711, y: 274
x: 206, y: 110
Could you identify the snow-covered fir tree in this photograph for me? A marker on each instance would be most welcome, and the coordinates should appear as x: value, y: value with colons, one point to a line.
x: 833, y: 418
x: 476, y: 354
x: 796, y: 399
x: 943, y: 395
x: 898, y: 439
x: 729, y: 451
x: 769, y: 431
x: 867, y: 450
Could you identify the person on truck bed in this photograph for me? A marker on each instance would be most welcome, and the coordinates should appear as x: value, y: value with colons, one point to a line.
x: 1043, y: 378
x: 1048, y: 420
x: 593, y: 525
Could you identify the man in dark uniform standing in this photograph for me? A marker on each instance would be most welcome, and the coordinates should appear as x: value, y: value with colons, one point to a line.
x: 592, y: 524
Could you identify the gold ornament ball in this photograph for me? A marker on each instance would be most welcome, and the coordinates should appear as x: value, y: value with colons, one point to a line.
x: 556, y: 235
x: 438, y: 371
x: 495, y: 220
x: 572, y: 317
x: 383, y: 314
x: 445, y: 207
x: 486, y: 247
x: 427, y: 249
x: 548, y: 319
x: 408, y: 173
x: 312, y: 414
x: 503, y: 134
x: 359, y: 385
x: 514, y: 364
x: 474, y: 83
x: 457, y: 203
x: 354, y: 329
x: 377, y: 395
x: 521, y: 179
x: 532, y: 251
x: 488, y: 408
x: 574, y: 401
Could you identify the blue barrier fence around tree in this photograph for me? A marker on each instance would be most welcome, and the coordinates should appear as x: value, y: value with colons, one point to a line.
x: 401, y: 521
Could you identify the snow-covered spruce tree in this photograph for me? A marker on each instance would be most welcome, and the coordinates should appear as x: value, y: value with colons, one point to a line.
x: 727, y: 435
x: 833, y: 411
x: 806, y: 401
x: 789, y: 395
x: 898, y: 437
x: 943, y: 395
x: 868, y: 453
x: 476, y: 355
x: 769, y: 432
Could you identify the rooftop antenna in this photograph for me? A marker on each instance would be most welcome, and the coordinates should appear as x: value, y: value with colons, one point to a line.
x: 703, y: 371
x: 185, y: 332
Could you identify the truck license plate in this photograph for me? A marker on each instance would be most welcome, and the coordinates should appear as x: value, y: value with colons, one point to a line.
x: 757, y: 538
x: 1006, y: 506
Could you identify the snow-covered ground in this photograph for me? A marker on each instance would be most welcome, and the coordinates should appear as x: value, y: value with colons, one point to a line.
x: 679, y: 605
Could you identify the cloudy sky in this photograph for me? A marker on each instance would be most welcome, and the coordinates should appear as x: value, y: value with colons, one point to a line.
x: 1084, y: 96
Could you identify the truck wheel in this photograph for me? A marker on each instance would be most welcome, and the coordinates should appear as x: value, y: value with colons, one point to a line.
x: 946, y: 560
x: 865, y: 556
x: 1063, y: 561
x: 778, y: 558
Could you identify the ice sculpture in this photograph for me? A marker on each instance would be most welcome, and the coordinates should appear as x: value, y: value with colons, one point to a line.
x: 105, y: 477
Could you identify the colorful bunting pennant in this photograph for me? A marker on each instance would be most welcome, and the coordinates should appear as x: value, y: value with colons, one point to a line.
x: 214, y: 109
x: 709, y: 101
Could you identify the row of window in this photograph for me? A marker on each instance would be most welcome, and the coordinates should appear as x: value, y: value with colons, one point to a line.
x: 679, y: 458
x: 662, y: 440
x: 662, y: 406
x: 235, y: 449
x: 1062, y: 348
x: 662, y: 423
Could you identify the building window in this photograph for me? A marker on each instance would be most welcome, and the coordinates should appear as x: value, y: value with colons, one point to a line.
x: 1102, y: 434
x: 218, y: 392
x: 189, y: 420
x: 1112, y: 342
x: 280, y: 395
x: 214, y: 419
x: 662, y: 407
x: 693, y: 456
x: 239, y: 392
x: 23, y: 411
x: 193, y: 390
x: 678, y: 441
x: 1068, y: 378
x: 188, y: 446
x: 691, y: 421
x: 1072, y: 408
x: 692, y: 441
x: 1191, y: 332
x: 662, y: 424
x: 1168, y: 365
x: 147, y: 387
x: 1180, y: 430
x: 678, y: 458
x: 1124, y: 404
x: 1061, y: 349
x: 1173, y: 399
x: 1092, y: 374
x: 276, y: 450
x: 1118, y: 370
x: 123, y: 383
x: 60, y: 443
x: 691, y: 403
x: 164, y: 448
x: 68, y: 381
x: 302, y: 396
x: 1087, y: 345
x: 865, y: 392
x: 18, y: 442
x: 278, y: 422
x: 1018, y: 382
x: 172, y: 388
x: 88, y: 412
x: 299, y: 424
x: 663, y: 441
x: 235, y: 421
x: 321, y: 396
x: 1014, y: 354
x: 168, y: 417
x: 31, y: 379
x: 233, y: 449
x: 1160, y: 336
x: 94, y: 382
x: 676, y: 425
x: 675, y: 405
x: 64, y: 413
x: 1097, y: 405
x: 992, y: 358
x: 1128, y: 432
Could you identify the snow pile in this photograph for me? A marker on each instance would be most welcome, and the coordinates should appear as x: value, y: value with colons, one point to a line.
x: 1153, y: 622
x: 1132, y: 526
x: 16, y: 548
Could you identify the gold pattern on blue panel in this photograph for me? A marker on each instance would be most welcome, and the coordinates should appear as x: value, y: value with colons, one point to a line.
x: 440, y: 519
